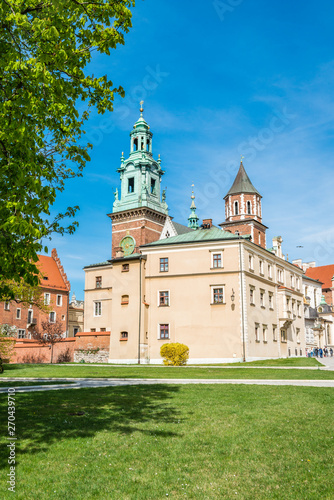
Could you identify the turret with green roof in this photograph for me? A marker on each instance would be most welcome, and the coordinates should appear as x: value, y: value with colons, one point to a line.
x: 140, y: 173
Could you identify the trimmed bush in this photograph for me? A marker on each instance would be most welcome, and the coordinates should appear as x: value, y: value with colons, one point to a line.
x: 174, y: 354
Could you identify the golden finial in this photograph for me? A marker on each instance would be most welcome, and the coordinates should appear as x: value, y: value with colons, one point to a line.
x: 241, y: 158
x: 141, y: 107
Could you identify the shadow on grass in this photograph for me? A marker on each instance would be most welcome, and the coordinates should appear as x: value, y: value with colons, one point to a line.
x: 45, y: 418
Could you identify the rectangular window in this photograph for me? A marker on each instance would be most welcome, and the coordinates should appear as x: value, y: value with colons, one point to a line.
x: 274, y: 333
x: 262, y: 298
x: 75, y: 330
x: 97, y: 308
x: 98, y: 281
x: 217, y: 295
x: 251, y: 296
x: 125, y: 268
x: 52, y: 317
x: 102, y: 329
x: 30, y: 316
x: 298, y: 283
x: 261, y: 267
x: 216, y: 260
x: 164, y: 298
x: 164, y: 331
x: 63, y: 317
x: 124, y: 335
x: 271, y: 303
x: 152, y: 186
x: 298, y: 335
x: 283, y: 335
x: 251, y: 262
x: 257, y: 332
x: 292, y: 278
x: 6, y: 306
x: 288, y: 304
x: 21, y: 334
x: 270, y: 271
x: 293, y: 306
x: 18, y: 313
x: 131, y: 185
x: 47, y: 299
x: 264, y: 333
x: 280, y: 275
x: 299, y: 309
x: 93, y: 329
x: 164, y: 265
x: 59, y: 300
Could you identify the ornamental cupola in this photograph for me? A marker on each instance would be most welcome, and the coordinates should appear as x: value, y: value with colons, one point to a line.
x: 140, y: 173
x: 193, y: 217
x: 243, y: 210
x: 139, y: 209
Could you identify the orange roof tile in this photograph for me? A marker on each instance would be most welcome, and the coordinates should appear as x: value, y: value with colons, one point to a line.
x: 322, y: 273
x: 50, y: 272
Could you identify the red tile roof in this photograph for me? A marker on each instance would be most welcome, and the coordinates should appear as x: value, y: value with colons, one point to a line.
x: 322, y: 273
x: 52, y: 277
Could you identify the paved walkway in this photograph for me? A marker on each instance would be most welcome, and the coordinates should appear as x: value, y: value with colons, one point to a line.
x: 92, y: 383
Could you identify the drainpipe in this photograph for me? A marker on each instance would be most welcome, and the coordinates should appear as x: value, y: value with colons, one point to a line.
x: 139, y: 319
x: 242, y: 306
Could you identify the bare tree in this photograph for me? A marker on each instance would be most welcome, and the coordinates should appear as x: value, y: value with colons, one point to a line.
x: 51, y: 334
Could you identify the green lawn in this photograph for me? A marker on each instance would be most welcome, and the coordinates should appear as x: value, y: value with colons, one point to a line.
x: 145, y: 371
x: 199, y: 442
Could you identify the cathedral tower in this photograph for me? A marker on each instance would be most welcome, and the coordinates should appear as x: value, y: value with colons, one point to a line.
x: 139, y: 213
x: 243, y: 211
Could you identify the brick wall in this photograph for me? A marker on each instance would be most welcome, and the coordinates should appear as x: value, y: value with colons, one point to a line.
x: 80, y: 347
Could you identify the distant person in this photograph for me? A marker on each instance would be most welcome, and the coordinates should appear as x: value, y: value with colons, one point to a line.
x: 320, y: 352
x: 331, y: 352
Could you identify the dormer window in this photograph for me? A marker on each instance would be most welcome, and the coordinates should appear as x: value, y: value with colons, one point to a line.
x: 131, y: 185
x: 236, y: 208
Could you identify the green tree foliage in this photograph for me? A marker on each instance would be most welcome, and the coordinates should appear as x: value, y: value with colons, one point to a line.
x: 174, y: 354
x: 45, y: 48
x: 7, y: 343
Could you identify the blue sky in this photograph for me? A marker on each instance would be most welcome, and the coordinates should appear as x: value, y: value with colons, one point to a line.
x: 219, y: 79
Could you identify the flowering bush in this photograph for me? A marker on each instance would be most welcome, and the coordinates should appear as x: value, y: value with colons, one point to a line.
x: 174, y: 354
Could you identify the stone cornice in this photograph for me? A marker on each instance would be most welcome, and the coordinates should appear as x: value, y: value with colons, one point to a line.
x: 128, y: 215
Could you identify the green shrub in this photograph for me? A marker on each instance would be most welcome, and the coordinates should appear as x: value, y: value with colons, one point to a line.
x: 174, y: 354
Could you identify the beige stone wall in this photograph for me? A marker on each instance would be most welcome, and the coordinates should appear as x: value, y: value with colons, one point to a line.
x: 213, y: 332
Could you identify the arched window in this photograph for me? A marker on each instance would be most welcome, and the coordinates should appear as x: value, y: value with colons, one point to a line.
x: 249, y: 208
x: 135, y: 144
x: 236, y: 208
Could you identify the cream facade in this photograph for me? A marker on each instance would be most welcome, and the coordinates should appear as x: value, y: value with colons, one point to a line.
x: 226, y: 298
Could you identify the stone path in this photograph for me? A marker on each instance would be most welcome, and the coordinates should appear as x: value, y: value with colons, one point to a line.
x: 92, y: 383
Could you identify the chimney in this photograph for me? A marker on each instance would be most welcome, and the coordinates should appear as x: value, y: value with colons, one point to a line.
x: 207, y: 223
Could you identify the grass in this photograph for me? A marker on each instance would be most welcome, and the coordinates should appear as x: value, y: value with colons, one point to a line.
x: 289, y: 362
x: 149, y: 371
x: 199, y: 442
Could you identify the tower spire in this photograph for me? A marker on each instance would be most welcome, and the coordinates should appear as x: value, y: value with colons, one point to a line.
x: 193, y: 217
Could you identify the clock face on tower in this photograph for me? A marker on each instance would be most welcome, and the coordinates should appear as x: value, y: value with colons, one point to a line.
x: 128, y: 245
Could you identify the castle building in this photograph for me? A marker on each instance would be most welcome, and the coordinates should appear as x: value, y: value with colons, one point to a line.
x: 216, y: 289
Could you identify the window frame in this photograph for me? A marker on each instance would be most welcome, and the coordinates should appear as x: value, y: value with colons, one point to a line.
x: 217, y: 287
x: 47, y: 298
x: 164, y: 264
x: 125, y: 268
x: 7, y: 306
x: 219, y: 260
x: 21, y: 336
x: 97, y: 309
x: 124, y: 336
x: 98, y: 281
x: 61, y: 300
x: 257, y: 332
x: 166, y: 303
x: 54, y: 317
x: 160, y: 325
x: 18, y: 313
